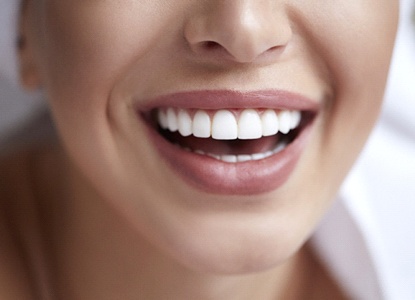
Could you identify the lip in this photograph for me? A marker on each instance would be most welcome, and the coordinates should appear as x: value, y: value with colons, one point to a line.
x: 228, y: 99
x: 217, y: 177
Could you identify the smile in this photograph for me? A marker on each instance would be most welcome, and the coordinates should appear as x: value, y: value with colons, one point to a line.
x: 239, y: 127
x: 229, y: 142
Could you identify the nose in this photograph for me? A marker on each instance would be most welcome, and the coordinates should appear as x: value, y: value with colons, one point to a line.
x: 243, y: 31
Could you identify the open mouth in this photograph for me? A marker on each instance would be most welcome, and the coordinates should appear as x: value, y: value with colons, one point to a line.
x: 231, y: 142
x: 230, y: 135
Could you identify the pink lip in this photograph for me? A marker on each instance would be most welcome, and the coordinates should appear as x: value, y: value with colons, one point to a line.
x: 217, y: 177
x: 218, y: 99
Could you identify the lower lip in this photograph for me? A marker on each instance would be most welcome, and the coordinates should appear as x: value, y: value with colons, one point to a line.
x: 246, y: 178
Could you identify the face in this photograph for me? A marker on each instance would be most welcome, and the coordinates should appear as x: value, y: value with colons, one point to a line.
x: 220, y: 129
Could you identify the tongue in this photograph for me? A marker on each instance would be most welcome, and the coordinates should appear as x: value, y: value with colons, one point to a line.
x: 219, y: 147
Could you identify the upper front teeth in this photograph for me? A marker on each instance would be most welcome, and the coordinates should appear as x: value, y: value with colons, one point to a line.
x: 224, y: 125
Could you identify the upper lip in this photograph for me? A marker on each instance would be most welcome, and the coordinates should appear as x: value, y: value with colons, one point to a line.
x: 231, y: 99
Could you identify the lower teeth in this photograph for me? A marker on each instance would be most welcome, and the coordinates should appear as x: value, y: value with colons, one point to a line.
x: 230, y: 158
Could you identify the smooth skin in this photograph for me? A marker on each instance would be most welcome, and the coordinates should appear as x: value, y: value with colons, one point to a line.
x: 109, y: 218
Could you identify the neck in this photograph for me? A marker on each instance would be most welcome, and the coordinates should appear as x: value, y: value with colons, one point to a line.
x: 99, y: 255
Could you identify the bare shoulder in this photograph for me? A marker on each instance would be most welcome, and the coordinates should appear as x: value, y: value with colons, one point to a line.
x: 15, y: 282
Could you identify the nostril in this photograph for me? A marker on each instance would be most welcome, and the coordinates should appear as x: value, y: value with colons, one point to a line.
x: 211, y: 45
x: 213, y: 49
x: 275, y: 48
x: 210, y: 48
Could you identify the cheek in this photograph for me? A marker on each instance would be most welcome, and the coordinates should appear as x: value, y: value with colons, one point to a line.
x: 355, y: 48
x: 88, y: 45
x: 359, y: 62
x: 358, y: 47
x: 84, y: 48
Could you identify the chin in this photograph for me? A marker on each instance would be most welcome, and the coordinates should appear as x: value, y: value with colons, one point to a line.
x: 236, y: 247
x: 239, y: 258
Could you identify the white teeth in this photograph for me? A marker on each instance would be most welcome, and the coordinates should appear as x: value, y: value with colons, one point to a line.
x: 200, y: 152
x: 229, y: 158
x: 185, y: 123
x: 295, y: 119
x: 213, y: 155
x: 172, y: 120
x: 201, y: 124
x: 249, y: 125
x: 284, y: 118
x: 258, y: 156
x: 270, y: 123
x: 162, y: 119
x: 223, y: 125
x: 244, y: 157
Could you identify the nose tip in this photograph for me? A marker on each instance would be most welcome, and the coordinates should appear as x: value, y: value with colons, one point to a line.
x: 239, y: 31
